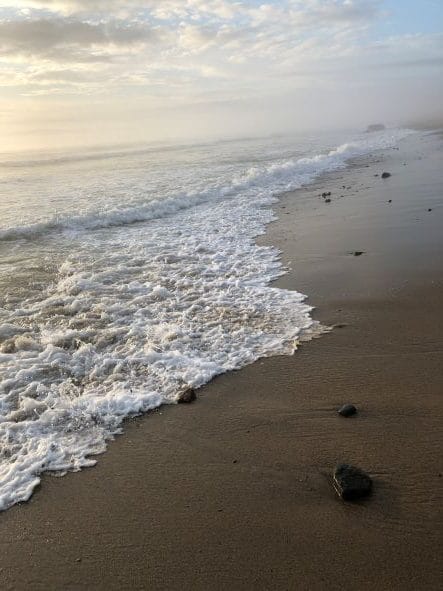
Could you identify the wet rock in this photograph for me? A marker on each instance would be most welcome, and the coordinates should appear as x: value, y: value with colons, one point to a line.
x: 385, y: 175
x: 187, y: 396
x: 351, y: 483
x: 358, y: 253
x: 347, y: 410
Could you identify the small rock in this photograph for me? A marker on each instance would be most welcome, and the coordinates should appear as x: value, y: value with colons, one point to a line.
x: 376, y: 175
x: 187, y: 396
x: 430, y: 209
x: 347, y: 410
x: 327, y: 201
x: 351, y: 483
x: 326, y: 194
x: 385, y: 175
x: 358, y: 253
x: 389, y: 200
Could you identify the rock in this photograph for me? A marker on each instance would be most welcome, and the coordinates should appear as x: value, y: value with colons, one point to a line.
x: 358, y: 253
x: 430, y: 209
x: 351, y: 483
x: 375, y: 127
x: 347, y: 410
x: 327, y: 201
x: 389, y: 200
x: 385, y: 175
x: 187, y: 396
x: 326, y: 194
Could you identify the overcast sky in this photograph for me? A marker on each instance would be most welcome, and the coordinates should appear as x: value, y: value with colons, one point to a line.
x: 78, y: 72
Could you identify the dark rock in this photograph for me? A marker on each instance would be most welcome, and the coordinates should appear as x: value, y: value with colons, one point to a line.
x: 326, y: 194
x: 430, y: 209
x: 375, y: 127
x: 358, y: 253
x: 327, y: 201
x: 351, y: 483
x: 389, y: 200
x: 385, y: 175
x: 187, y: 396
x: 347, y: 410
x: 376, y: 175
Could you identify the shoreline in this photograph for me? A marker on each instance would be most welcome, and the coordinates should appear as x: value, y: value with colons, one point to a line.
x: 234, y: 491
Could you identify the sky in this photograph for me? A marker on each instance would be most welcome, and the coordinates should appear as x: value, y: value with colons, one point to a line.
x: 83, y: 72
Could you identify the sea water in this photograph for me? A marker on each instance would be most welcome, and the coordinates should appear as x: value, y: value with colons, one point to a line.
x: 128, y: 275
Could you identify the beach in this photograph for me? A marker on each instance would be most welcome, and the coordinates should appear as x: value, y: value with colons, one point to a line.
x: 235, y: 490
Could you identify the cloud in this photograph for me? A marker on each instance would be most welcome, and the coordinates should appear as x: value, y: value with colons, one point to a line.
x: 47, y: 36
x: 164, y: 54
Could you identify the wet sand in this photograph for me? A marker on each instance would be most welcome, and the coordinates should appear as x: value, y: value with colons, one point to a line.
x: 234, y: 491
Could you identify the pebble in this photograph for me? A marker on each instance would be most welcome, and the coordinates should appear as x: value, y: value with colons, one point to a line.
x: 347, y: 410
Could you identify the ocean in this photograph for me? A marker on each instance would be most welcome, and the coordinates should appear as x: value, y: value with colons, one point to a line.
x: 128, y: 275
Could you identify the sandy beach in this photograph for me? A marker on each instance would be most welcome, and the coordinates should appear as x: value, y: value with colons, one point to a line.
x: 234, y: 491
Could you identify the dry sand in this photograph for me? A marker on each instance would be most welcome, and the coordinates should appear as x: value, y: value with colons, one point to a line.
x: 234, y: 491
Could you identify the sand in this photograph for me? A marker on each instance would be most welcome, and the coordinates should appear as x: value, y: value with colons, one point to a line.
x: 234, y: 491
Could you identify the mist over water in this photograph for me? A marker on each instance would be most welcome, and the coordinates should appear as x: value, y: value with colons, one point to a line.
x: 129, y: 275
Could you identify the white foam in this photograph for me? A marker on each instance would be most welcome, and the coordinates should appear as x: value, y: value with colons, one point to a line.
x: 143, y: 312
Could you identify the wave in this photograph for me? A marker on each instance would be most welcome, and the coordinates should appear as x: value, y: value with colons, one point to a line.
x: 275, y: 178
